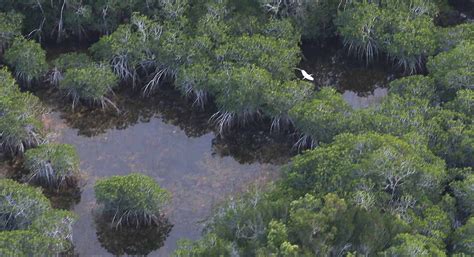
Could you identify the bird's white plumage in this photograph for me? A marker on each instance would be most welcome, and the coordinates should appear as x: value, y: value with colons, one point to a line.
x: 307, y: 76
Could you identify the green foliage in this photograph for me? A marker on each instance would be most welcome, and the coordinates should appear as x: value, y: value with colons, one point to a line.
x: 19, y: 112
x: 452, y: 36
x: 209, y: 245
x: 10, y: 27
x: 132, y: 199
x: 463, y: 238
x: 90, y: 83
x: 315, y: 18
x: 29, y: 225
x: 281, y: 98
x: 463, y: 103
x: 239, y: 93
x: 24, y: 243
x: 20, y: 205
x: 361, y: 26
x: 321, y: 118
x: 416, y: 86
x: 413, y: 41
x: 454, y: 69
x: 397, y: 175
x: 464, y: 192
x: 414, y: 245
x: 451, y: 137
x: 27, y: 58
x: 53, y: 165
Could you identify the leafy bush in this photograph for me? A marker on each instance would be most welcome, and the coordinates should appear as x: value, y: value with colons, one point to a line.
x: 134, y: 199
x: 464, y: 192
x: 454, y: 69
x: 20, y: 127
x: 20, y: 205
x: 321, y: 118
x: 53, y: 165
x: 26, y: 243
x: 65, y: 62
x: 361, y: 27
x: 90, y: 83
x: 10, y: 27
x: 386, y: 169
x: 27, y: 58
x: 416, y: 86
x: 463, y: 238
x: 413, y: 41
x: 30, y: 226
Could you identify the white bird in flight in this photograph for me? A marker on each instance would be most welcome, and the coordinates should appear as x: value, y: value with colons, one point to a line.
x: 306, y: 75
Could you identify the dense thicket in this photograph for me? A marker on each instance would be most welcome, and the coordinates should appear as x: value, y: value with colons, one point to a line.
x: 388, y: 180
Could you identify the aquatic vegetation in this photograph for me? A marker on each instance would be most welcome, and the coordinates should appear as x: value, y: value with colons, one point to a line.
x: 413, y: 41
x: 361, y: 26
x: 90, y: 84
x: 27, y: 59
x: 209, y: 245
x: 26, y: 243
x: 53, y: 165
x: 28, y: 222
x: 67, y: 61
x: 20, y: 205
x: 134, y: 199
x: 320, y: 118
x: 20, y: 128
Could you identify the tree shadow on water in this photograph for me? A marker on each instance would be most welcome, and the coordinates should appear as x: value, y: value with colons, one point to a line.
x: 166, y: 103
x: 132, y: 241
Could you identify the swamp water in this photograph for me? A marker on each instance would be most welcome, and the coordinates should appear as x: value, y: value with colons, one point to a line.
x: 164, y: 137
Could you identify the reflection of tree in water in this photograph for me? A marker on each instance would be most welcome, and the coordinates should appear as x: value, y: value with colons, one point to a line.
x: 131, y: 240
x: 166, y: 103
x: 255, y: 143
x: 330, y: 66
x: 249, y: 144
x: 64, y: 199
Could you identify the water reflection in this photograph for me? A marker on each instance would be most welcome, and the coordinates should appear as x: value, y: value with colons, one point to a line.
x: 130, y: 240
x: 166, y: 104
x: 331, y: 67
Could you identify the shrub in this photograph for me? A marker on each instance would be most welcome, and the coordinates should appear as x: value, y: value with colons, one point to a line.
x: 413, y: 41
x: 361, y: 27
x: 320, y: 118
x: 417, y: 86
x: 20, y: 205
x: 454, y: 69
x: 464, y: 192
x: 27, y: 58
x: 463, y: 238
x: 134, y: 199
x: 27, y: 217
x: 385, y: 168
x: 20, y: 127
x: 26, y: 243
x: 239, y: 94
x: 90, y: 83
x: 10, y: 27
x: 53, y: 165
x: 65, y: 62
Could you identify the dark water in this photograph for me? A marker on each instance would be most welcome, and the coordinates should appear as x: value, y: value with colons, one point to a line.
x: 165, y: 137
x: 361, y: 85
